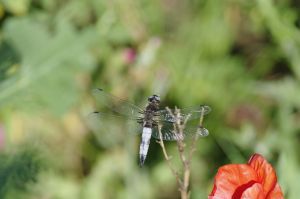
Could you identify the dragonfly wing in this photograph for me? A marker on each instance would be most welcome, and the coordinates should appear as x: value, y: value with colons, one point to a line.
x: 100, y: 116
x: 192, y: 127
x: 202, y: 132
x: 169, y: 134
x: 190, y: 131
x: 117, y: 105
x: 165, y: 116
x: 110, y: 129
x: 194, y: 112
x: 167, y: 131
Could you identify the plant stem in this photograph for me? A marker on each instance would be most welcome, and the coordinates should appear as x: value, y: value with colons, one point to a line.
x: 179, y: 126
x: 168, y: 158
x: 184, y: 182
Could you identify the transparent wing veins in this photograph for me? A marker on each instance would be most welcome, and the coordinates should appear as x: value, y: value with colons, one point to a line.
x: 121, y: 106
x: 192, y: 112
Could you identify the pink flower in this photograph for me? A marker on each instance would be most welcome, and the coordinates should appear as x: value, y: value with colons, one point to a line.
x: 255, y: 180
x: 129, y: 55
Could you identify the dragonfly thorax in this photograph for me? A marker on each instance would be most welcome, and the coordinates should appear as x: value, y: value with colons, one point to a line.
x: 151, y: 109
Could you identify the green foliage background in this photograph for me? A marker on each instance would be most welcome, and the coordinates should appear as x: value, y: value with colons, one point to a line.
x: 242, y: 58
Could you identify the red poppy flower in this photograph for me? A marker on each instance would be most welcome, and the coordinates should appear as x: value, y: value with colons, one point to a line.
x: 255, y: 180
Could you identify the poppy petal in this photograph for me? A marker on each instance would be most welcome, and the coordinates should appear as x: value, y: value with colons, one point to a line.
x: 231, y: 180
x: 276, y: 193
x: 254, y: 192
x: 266, y: 173
x: 216, y: 197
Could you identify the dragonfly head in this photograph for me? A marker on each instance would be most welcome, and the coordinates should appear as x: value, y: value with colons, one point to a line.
x: 154, y: 99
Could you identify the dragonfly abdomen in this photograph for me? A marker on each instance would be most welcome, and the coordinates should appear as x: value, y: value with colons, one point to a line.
x: 144, y: 146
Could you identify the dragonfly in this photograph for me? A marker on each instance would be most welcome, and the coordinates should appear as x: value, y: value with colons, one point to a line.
x: 154, y: 122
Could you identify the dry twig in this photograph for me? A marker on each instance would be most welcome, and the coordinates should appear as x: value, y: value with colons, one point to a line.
x: 179, y: 125
x: 168, y: 158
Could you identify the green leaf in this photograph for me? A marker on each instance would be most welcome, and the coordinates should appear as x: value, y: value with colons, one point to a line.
x: 50, y: 62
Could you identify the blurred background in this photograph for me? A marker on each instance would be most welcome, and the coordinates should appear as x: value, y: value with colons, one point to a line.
x: 242, y: 58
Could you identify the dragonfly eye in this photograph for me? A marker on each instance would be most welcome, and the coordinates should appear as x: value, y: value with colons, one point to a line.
x: 154, y: 98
